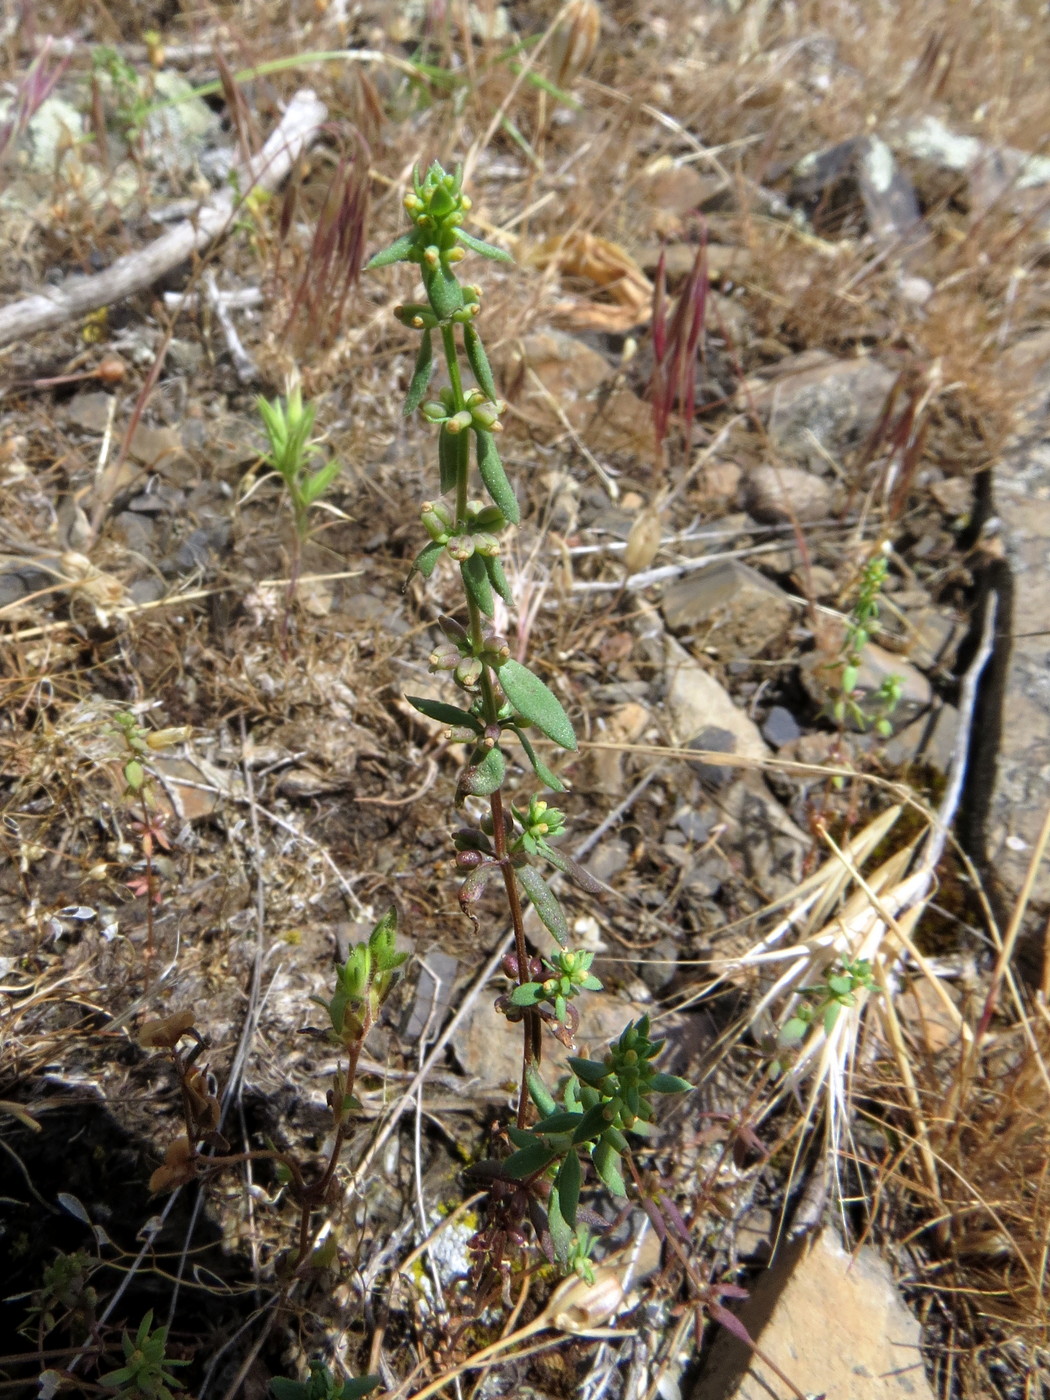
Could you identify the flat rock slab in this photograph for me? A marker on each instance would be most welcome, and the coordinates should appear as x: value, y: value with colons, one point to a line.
x: 733, y: 608
x: 834, y: 1323
x: 816, y: 409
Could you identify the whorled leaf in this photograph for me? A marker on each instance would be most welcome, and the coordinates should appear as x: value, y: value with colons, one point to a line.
x: 426, y: 560
x: 481, y: 779
x: 476, y: 582
x: 424, y: 368
x: 545, y: 775
x: 443, y: 713
x: 479, y: 361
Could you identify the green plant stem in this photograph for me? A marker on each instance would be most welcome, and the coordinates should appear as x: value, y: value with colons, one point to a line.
x: 530, y: 1025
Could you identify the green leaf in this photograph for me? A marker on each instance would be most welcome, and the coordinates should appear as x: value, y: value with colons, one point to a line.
x: 520, y: 1137
x: 285, y: 1389
x: 318, y: 483
x: 570, y: 867
x: 562, y: 1233
x: 527, y: 1161
x: 593, y: 1072
x: 444, y: 714
x: 542, y: 899
x: 557, y: 1123
x: 541, y: 770
x: 536, y: 703
x: 397, y: 252
x: 669, y: 1084
x: 443, y: 291
x: 479, y: 361
x: 567, y: 1184
x: 592, y: 1124
x: 421, y: 374
x: 364, y: 1385
x: 487, y: 250
x: 538, y: 1092
x: 527, y: 994
x: 425, y: 561
x: 494, y: 476
x: 498, y: 579
x: 453, y: 455
x: 607, y: 1164
x: 476, y: 582
x: 485, y: 777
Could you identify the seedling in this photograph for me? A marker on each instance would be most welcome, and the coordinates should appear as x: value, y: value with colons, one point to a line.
x: 289, y: 425
x: 144, y: 1375
x: 879, y: 705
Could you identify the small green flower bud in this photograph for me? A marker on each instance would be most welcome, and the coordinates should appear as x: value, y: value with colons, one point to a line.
x: 433, y: 411
x: 437, y: 521
x: 486, y: 416
x: 134, y: 775
x: 458, y: 422
x: 460, y: 547
x: 455, y: 255
x: 486, y: 544
x: 468, y: 672
x: 431, y: 256
x: 445, y: 657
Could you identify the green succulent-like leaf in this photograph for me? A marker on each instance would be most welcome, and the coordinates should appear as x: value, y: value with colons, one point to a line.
x: 444, y: 714
x: 498, y: 578
x: 487, y: 250
x: 592, y: 1123
x: 545, y: 775
x: 562, y: 1233
x: 476, y: 582
x: 536, y: 703
x: 668, y: 1084
x: 483, y: 778
x: 397, y: 252
x: 539, y: 1093
x: 528, y: 1161
x: 593, y: 1072
x: 543, y: 900
x: 556, y: 1123
x: 607, y: 1164
x: 426, y: 560
x: 567, y: 1184
x: 421, y: 374
x: 479, y: 361
x: 495, y: 477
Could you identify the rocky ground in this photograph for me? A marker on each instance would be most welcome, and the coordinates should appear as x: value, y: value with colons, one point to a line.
x: 857, y: 204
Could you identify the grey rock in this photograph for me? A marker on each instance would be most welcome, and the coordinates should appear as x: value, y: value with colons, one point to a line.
x: 713, y: 740
x: 609, y: 859
x: 738, y: 611
x: 774, y: 495
x: 437, y: 978
x: 658, y: 967
x: 697, y: 702
x: 929, y: 740
x: 694, y: 826
x: 780, y: 727
x: 134, y: 531
x: 823, y: 408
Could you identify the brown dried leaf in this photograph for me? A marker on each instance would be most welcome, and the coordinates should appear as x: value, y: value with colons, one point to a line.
x: 609, y: 267
x: 166, y: 1033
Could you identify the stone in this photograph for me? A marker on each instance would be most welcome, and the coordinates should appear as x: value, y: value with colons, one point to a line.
x: 489, y: 1049
x: 924, y: 1014
x: 612, y: 856
x: 834, y: 1324
x: 696, y: 701
x: 929, y: 740
x: 775, y: 495
x: 551, y: 370
x: 934, y: 639
x: 780, y: 727
x: 822, y: 409
x: 733, y: 608
x: 433, y: 998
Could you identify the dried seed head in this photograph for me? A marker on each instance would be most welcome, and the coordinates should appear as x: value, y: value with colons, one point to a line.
x: 574, y: 40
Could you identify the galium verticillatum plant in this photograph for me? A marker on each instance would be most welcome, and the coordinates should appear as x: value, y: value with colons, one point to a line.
x: 502, y: 701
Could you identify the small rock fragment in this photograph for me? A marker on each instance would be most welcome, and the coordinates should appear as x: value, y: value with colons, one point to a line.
x: 780, y: 727
x: 775, y: 495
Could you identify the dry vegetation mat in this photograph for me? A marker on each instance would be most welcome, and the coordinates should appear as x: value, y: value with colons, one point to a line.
x: 524, y: 539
